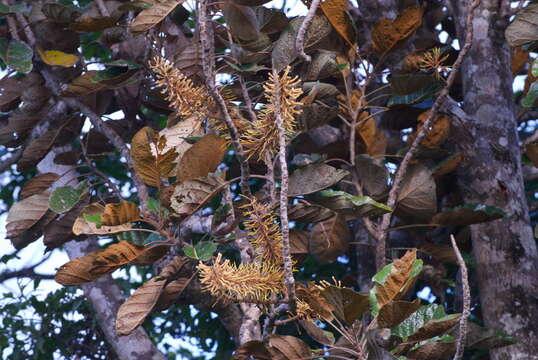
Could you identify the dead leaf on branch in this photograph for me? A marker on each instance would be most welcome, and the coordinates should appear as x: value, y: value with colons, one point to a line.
x: 417, y: 197
x: 38, y: 184
x: 329, y: 239
x: 438, y: 132
x: 171, y: 292
x: 122, y: 213
x: 288, y: 348
x: 313, y: 178
x: 387, y: 33
x: 136, y: 308
x: 202, y: 158
x: 336, y: 12
x: 83, y: 225
x: 395, y: 312
x: 152, y: 160
x: 395, y: 279
x: 191, y: 195
x: 148, y: 18
x: 98, y: 263
x: 24, y: 214
x: 348, y: 305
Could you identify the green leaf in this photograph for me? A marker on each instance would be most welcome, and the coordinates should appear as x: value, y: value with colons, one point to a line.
x: 419, y: 96
x: 13, y: 9
x: 153, y: 204
x: 468, y: 214
x: 17, y: 55
x: 532, y: 96
x: 345, y: 203
x: 535, y: 67
x: 96, y: 219
x: 418, y: 319
x: 64, y: 198
x: 203, y: 251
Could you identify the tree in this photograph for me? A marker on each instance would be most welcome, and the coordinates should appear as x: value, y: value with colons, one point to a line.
x: 300, y: 177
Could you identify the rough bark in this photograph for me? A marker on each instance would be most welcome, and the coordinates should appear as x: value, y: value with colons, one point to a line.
x: 105, y: 296
x: 505, y: 250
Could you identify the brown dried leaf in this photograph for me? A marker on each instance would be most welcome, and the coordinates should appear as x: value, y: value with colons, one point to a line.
x: 136, y: 308
x: 398, y: 280
x: 98, y: 263
x: 148, y: 18
x: 284, y: 347
x: 395, y: 312
x: 434, y: 328
x: 202, y: 158
x: 348, y: 304
x: 92, y: 24
x: 151, y: 159
x: 329, y: 239
x: 437, y: 134
x: 387, y: 33
x: 39, y: 148
x: 440, y: 252
x: 316, y: 333
x: 117, y: 214
x: 191, y: 195
x: 298, y: 244
x: 417, y: 197
x: 313, y: 178
x: 24, y: 214
x: 152, y: 254
x: 373, y: 137
x: 433, y: 351
x: 252, y: 349
x: 38, y: 184
x: 335, y: 11
x: 309, y: 213
x: 10, y: 92
x: 171, y: 292
x: 83, y: 85
x: 311, y: 295
x: 83, y: 226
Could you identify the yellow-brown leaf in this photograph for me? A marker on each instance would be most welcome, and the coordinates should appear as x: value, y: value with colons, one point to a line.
x: 387, y: 33
x: 38, y: 184
x: 150, y: 165
x: 118, y: 214
x: 335, y: 11
x: 135, y: 309
x: 202, y: 158
x: 98, y: 263
x: 398, y: 281
x: 83, y: 226
x: 57, y: 58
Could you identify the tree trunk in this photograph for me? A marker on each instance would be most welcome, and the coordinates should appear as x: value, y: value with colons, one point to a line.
x: 505, y: 250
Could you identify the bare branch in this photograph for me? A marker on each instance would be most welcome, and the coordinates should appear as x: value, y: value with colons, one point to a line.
x: 208, y: 65
x: 299, y: 41
x: 430, y: 121
x: 27, y: 272
x: 289, y: 281
x: 460, y: 344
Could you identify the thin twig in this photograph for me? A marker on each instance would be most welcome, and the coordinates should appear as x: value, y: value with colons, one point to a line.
x: 299, y: 41
x: 26, y: 28
x: 289, y: 281
x: 430, y: 121
x: 208, y: 66
x: 102, y: 8
x: 246, y: 97
x: 460, y: 343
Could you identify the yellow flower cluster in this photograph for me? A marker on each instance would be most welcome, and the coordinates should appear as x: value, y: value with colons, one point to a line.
x: 262, y: 137
x: 249, y: 282
x: 185, y: 97
x: 264, y: 232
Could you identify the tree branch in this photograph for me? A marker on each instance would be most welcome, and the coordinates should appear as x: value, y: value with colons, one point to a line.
x: 299, y: 41
x: 460, y: 344
x: 208, y: 65
x: 289, y: 281
x: 430, y: 121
